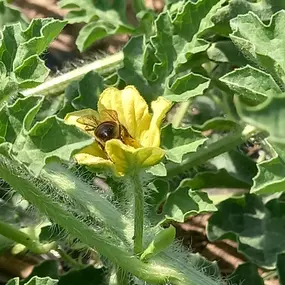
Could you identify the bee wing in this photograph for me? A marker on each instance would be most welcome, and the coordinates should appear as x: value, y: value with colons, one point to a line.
x: 88, y: 120
x: 109, y: 115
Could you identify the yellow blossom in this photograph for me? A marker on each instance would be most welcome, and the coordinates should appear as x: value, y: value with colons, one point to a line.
x: 144, y: 127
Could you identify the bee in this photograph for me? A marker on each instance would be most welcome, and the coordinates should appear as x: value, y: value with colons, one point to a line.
x: 106, y: 126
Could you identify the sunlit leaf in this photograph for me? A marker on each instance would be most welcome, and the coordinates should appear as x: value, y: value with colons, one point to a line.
x: 254, y: 85
x: 184, y: 202
x: 35, y: 144
x: 262, y: 44
x: 180, y: 141
x: 10, y: 14
x: 20, y: 65
x: 264, y: 9
x: 34, y: 281
x: 163, y: 65
x: 102, y: 19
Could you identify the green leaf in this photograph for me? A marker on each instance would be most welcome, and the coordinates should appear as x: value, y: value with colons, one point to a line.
x: 254, y: 85
x: 41, y: 281
x: 237, y: 165
x: 267, y: 116
x: 35, y: 144
x: 183, y: 203
x: 257, y: 226
x: 262, y: 44
x: 34, y: 281
x: 270, y: 177
x: 157, y: 194
x: 89, y: 89
x: 217, y: 124
x: 246, y: 274
x: 280, y: 268
x: 157, y: 170
x: 87, y: 276
x: 82, y: 94
x: 14, y: 281
x: 163, y: 64
x: 20, y: 65
x: 180, y: 141
x: 9, y: 15
x: 161, y: 241
x: 218, y: 179
x: 264, y: 9
x: 102, y: 19
x: 225, y: 51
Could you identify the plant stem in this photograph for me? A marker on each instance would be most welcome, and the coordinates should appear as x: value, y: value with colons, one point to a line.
x: 139, y: 5
x: 139, y: 213
x: 202, y: 155
x: 58, y: 84
x: 68, y: 259
x: 37, y: 192
x: 16, y: 235
x: 180, y: 113
x: 122, y: 276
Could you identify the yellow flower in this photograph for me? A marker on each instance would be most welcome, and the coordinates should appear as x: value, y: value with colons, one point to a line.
x: 143, y: 127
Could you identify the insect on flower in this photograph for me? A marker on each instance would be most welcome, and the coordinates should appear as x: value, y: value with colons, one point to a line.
x: 106, y: 126
x: 126, y: 131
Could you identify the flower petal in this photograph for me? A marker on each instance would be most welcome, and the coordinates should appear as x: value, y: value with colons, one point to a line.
x: 71, y: 118
x: 93, y: 161
x: 151, y: 137
x: 94, y: 150
x: 132, y: 109
x: 127, y: 158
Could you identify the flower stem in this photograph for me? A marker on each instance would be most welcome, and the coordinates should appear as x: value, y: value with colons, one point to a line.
x: 57, y: 85
x: 139, y: 213
x: 16, y: 235
x: 69, y: 260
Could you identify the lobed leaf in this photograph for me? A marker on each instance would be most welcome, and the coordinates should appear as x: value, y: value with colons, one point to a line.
x: 267, y: 116
x: 35, y: 144
x: 34, y: 281
x: 180, y: 141
x: 183, y: 203
x: 10, y: 14
x: 262, y: 44
x: 169, y: 204
x: 163, y: 65
x: 271, y: 173
x: 258, y: 227
x: 20, y: 65
x: 103, y: 18
x: 263, y: 9
x: 252, y: 84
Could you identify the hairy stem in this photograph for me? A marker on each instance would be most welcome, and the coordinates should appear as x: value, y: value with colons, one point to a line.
x: 139, y: 213
x: 58, y: 84
x: 34, y: 190
x: 69, y: 260
x: 16, y: 235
